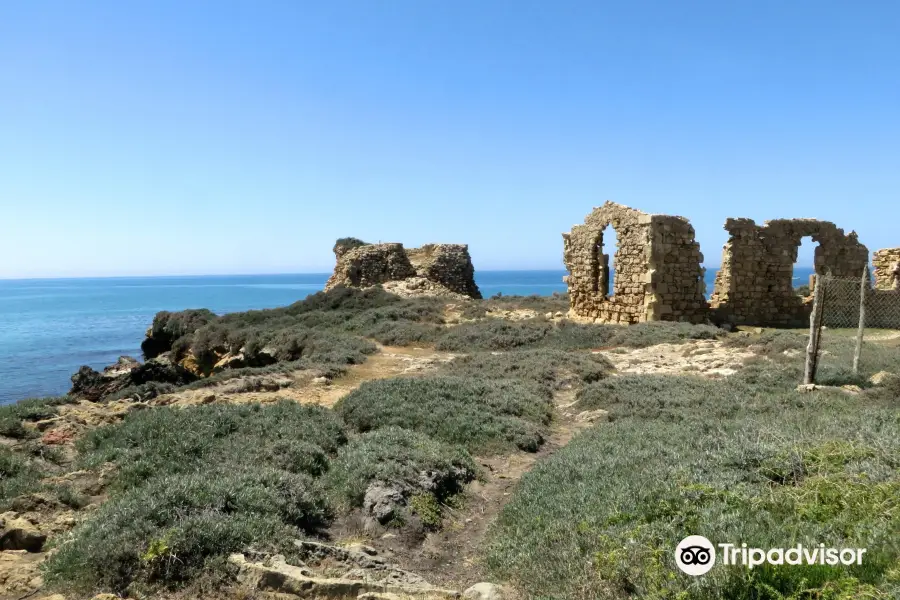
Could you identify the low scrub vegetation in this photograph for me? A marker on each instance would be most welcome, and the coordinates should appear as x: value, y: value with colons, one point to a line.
x: 745, y: 459
x: 19, y: 475
x: 480, y: 414
x: 14, y: 416
x: 151, y: 443
x: 191, y: 485
x: 173, y: 527
x: 500, y: 334
x: 741, y: 459
x: 418, y: 463
x: 552, y: 369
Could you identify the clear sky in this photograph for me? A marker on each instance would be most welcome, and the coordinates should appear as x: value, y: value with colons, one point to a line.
x: 201, y: 137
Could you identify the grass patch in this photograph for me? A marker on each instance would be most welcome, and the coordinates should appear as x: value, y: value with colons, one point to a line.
x: 194, y: 484
x: 162, y: 441
x: 479, y: 414
x: 500, y: 334
x: 552, y: 369
x: 13, y: 416
x: 769, y: 342
x: 744, y: 459
x: 174, y: 527
x: 19, y: 474
x: 416, y: 463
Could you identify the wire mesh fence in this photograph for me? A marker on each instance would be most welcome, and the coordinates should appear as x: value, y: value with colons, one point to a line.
x: 850, y: 314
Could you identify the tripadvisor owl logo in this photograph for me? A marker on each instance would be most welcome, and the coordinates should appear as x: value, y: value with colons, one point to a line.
x: 695, y: 555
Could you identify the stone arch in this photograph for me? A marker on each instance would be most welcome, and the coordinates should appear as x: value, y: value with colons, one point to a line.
x: 656, y: 265
x: 754, y: 285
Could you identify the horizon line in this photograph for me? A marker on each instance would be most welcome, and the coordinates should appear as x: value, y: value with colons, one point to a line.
x: 281, y: 274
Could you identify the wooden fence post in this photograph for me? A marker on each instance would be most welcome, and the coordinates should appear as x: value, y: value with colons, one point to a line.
x: 864, y: 283
x: 815, y: 326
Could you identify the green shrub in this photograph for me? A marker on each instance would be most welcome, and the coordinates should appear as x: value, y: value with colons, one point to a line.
x: 69, y: 496
x: 167, y: 327
x: 500, y: 334
x: 481, y: 415
x: 769, y: 343
x: 348, y: 243
x: 553, y: 369
x: 398, y: 456
x: 167, y: 530
x: 494, y: 334
x: 191, y: 485
x: 161, y: 441
x: 404, y: 334
x: 569, y: 335
x: 13, y: 415
x: 18, y: 475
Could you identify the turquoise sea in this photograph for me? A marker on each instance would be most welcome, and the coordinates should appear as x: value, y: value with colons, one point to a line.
x: 50, y: 327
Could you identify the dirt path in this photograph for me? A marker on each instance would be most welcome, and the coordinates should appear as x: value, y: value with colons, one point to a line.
x: 449, y: 557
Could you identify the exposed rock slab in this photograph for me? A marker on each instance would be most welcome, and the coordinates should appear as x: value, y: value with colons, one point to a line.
x: 365, y: 576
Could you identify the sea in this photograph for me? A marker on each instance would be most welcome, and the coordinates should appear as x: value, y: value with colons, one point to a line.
x: 51, y: 327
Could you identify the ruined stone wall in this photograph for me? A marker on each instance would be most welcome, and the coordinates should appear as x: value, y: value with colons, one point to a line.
x: 676, y: 291
x: 446, y: 267
x: 447, y: 264
x: 754, y: 285
x: 657, y: 273
x: 369, y: 264
x: 887, y: 269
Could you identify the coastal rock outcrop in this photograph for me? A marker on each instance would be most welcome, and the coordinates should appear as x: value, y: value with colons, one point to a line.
x: 126, y: 372
x: 169, y: 326
x: 432, y: 270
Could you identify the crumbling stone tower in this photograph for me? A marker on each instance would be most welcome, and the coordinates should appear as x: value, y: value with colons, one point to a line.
x: 448, y: 267
x: 656, y: 266
x: 754, y: 285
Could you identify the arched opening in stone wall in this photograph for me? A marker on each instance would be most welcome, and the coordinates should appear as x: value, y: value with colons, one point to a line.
x: 602, y: 262
x: 804, y: 266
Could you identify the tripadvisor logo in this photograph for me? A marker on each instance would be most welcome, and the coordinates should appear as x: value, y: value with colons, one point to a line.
x: 696, y: 555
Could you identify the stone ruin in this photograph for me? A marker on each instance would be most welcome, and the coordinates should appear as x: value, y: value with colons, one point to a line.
x: 432, y: 270
x: 656, y: 268
x: 887, y: 269
x: 754, y: 285
x: 658, y: 274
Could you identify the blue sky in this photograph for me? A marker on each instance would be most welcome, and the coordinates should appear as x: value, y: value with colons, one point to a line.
x: 192, y: 137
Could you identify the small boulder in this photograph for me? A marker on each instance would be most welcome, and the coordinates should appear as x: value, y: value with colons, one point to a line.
x: 592, y: 416
x: 88, y: 383
x: 123, y: 366
x: 884, y: 378
x: 484, y: 591
x: 17, y: 533
x: 382, y: 501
